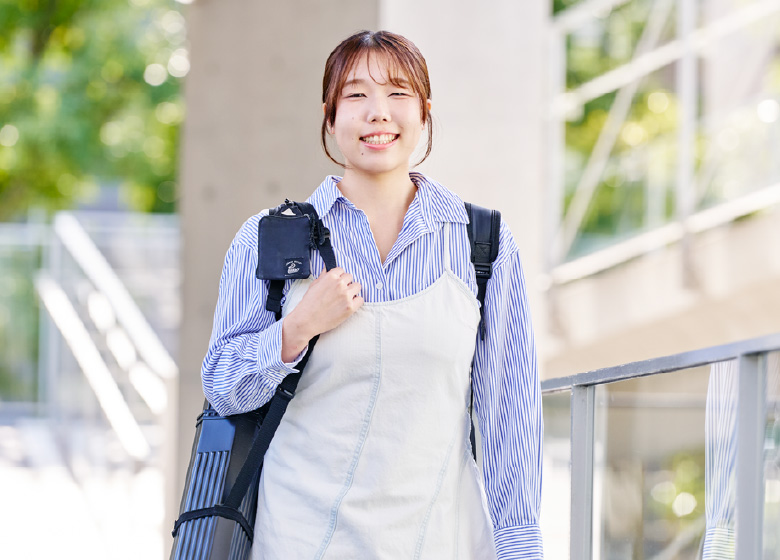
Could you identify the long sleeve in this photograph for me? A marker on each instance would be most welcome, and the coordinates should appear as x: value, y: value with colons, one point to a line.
x: 507, y: 400
x: 243, y: 365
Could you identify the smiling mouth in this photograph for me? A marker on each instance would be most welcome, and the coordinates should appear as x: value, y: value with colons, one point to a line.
x: 379, y: 139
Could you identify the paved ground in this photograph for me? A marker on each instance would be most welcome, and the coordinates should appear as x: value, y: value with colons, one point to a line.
x: 84, y: 512
x: 111, y: 514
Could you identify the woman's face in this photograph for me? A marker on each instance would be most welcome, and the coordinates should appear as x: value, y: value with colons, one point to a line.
x: 377, y: 125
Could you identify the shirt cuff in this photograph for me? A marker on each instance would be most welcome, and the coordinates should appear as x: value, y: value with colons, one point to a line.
x: 269, y: 355
x: 521, y: 542
x: 719, y: 544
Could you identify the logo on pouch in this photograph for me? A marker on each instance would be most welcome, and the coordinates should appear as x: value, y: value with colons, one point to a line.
x: 293, y: 266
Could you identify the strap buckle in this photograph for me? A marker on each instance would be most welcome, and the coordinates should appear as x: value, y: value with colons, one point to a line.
x: 483, y: 270
x: 284, y: 393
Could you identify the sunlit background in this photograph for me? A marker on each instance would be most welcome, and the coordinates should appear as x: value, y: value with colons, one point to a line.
x: 632, y: 145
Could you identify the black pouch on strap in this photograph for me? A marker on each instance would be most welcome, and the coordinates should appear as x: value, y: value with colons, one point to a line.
x: 284, y: 239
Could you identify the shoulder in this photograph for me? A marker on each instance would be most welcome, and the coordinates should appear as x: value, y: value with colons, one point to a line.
x: 438, y: 202
x: 246, y: 237
x: 322, y: 198
x: 446, y: 206
x: 507, y: 247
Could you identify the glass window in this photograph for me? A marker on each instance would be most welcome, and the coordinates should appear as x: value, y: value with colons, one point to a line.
x: 556, y: 476
x: 663, y: 463
x: 630, y: 92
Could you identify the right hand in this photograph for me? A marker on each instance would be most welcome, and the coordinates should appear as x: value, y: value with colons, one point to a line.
x: 330, y: 300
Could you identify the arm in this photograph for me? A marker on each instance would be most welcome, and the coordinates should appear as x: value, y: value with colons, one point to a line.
x: 243, y: 365
x: 250, y: 352
x: 507, y: 400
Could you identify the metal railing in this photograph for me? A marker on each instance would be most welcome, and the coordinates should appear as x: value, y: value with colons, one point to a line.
x: 108, y: 376
x: 751, y: 357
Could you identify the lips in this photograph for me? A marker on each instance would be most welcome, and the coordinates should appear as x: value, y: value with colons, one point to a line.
x: 379, y: 139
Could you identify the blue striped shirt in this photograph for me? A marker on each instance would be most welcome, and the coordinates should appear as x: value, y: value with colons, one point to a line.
x: 243, y: 365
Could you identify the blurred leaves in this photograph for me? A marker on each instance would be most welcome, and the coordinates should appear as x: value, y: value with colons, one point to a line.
x: 75, y: 109
x: 645, y: 150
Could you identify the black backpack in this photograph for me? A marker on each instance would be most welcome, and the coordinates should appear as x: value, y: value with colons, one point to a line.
x: 218, y: 507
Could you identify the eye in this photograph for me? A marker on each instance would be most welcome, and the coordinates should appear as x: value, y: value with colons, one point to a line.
x: 355, y: 95
x: 401, y: 93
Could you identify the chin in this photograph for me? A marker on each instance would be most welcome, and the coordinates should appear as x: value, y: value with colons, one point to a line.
x: 378, y: 168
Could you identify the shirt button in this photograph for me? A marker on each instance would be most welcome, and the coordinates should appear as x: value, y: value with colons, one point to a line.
x: 379, y: 285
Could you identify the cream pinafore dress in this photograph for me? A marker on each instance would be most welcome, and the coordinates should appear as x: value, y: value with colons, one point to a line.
x: 372, y: 458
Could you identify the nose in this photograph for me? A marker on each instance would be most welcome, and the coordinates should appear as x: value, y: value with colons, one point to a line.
x: 379, y: 110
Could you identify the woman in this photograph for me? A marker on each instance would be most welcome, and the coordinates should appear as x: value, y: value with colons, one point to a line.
x: 372, y: 459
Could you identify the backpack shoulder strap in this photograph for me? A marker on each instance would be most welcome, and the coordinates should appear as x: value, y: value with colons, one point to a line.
x: 320, y: 239
x: 276, y: 407
x: 483, y: 230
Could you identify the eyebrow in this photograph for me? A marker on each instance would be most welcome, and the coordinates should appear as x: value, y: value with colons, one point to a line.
x: 400, y: 83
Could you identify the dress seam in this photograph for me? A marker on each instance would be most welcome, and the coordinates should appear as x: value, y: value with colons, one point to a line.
x: 359, y: 448
x: 439, y: 483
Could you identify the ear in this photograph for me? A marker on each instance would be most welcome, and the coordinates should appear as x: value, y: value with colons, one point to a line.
x: 429, y: 112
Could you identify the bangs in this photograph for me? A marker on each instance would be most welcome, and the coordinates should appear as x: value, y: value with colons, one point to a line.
x: 400, y: 71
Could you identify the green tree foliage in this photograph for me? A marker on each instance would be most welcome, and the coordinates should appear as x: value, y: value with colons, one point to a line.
x: 77, y: 104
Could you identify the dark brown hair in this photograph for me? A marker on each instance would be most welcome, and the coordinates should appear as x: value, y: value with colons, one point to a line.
x: 404, y: 60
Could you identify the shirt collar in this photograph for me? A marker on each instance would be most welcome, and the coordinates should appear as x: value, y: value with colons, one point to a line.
x: 437, y: 203
x: 326, y: 195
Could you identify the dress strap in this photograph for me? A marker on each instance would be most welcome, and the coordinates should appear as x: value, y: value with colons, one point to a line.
x: 446, y: 245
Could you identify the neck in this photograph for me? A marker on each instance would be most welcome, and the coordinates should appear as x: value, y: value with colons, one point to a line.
x: 387, y: 194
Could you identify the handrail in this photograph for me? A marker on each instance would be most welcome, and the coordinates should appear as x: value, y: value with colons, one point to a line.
x: 81, y: 247
x: 665, y: 364
x: 75, y: 334
x: 151, y: 370
x: 750, y: 364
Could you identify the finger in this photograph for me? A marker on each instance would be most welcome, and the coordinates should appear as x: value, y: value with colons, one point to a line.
x: 347, y: 278
x: 336, y: 272
x: 357, y: 302
x: 355, y: 288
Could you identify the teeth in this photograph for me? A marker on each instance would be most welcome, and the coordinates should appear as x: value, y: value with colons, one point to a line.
x: 379, y: 139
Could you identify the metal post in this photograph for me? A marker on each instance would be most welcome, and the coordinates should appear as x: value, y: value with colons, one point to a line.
x: 583, y: 403
x: 51, y: 345
x: 751, y: 419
